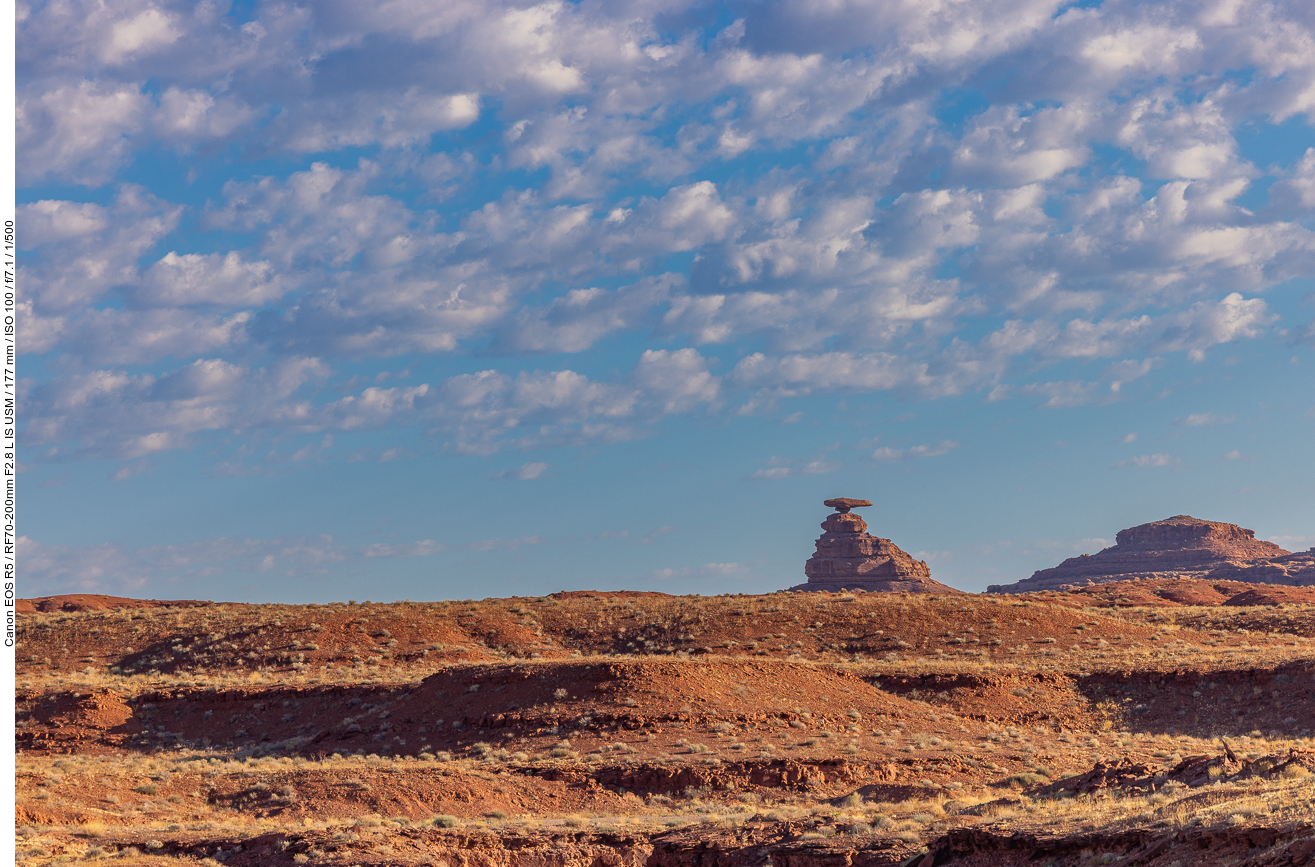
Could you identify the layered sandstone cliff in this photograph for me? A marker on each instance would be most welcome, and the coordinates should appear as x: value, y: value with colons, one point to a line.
x: 1177, y: 547
x: 847, y: 558
x: 1292, y: 570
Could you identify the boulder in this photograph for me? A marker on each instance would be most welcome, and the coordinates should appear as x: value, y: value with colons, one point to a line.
x: 1177, y: 547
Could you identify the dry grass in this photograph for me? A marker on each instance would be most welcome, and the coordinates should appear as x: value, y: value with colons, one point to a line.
x: 948, y: 763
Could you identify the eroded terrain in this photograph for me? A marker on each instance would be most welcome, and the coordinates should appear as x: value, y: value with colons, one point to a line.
x: 1127, y: 723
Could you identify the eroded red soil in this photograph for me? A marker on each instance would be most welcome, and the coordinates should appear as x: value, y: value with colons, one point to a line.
x: 643, y: 728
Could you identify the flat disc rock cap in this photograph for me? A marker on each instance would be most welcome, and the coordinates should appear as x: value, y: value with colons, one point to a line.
x: 844, y: 504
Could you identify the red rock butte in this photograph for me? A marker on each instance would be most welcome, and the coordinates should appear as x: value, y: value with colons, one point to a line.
x: 1177, y: 547
x: 847, y: 558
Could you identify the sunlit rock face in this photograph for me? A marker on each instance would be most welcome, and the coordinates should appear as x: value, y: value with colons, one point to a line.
x: 848, y: 558
x: 1177, y: 547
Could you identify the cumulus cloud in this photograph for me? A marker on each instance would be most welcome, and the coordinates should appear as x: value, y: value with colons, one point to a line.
x: 83, y: 251
x: 224, y: 280
x: 581, y: 317
x: 110, y: 413
x: 78, y: 132
x: 803, y: 186
x: 113, y: 413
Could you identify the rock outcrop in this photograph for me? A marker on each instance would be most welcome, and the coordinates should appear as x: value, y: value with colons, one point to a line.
x: 847, y: 558
x: 1291, y: 570
x: 1177, y: 547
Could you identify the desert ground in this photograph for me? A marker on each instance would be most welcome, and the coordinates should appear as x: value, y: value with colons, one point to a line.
x: 1150, y: 723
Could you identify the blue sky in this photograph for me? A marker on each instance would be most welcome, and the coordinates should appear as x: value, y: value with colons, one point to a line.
x: 458, y: 299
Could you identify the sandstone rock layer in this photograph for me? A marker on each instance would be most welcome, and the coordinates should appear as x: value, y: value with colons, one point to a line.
x: 848, y: 558
x: 1177, y: 547
x: 1291, y: 570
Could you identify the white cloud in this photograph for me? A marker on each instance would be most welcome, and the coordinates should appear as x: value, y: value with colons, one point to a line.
x: 118, y: 569
x: 836, y: 370
x: 706, y: 570
x: 785, y: 468
x: 1155, y: 460
x: 525, y: 472
x: 487, y: 545
x: 187, y: 116
x: 578, y: 319
x: 149, y: 30
x: 1063, y: 394
x: 114, y: 414
x: 423, y: 548
x: 1203, y: 419
x: 85, y: 251
x: 1293, y: 542
x: 1122, y: 372
x: 78, y: 132
x: 224, y: 280
x: 677, y: 379
x: 831, y: 256
x: 886, y: 453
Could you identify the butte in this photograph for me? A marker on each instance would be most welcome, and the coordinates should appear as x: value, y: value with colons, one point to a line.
x: 847, y: 558
x: 1177, y: 547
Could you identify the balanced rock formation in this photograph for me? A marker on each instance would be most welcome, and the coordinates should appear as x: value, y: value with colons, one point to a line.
x: 1177, y: 547
x: 847, y: 558
x: 1292, y: 570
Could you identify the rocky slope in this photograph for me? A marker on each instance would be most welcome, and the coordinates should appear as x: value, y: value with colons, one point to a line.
x: 1177, y: 547
x: 1293, y: 570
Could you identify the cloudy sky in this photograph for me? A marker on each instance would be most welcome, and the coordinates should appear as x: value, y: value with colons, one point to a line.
x: 458, y: 298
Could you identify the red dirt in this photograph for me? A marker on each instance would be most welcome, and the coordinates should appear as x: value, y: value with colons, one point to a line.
x: 1181, y: 591
x: 96, y: 602
x: 649, y: 705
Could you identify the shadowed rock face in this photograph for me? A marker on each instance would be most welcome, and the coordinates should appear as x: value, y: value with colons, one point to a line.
x: 847, y: 558
x: 1178, y: 547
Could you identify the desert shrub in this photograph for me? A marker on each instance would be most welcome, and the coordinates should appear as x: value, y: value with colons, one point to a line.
x: 445, y: 821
